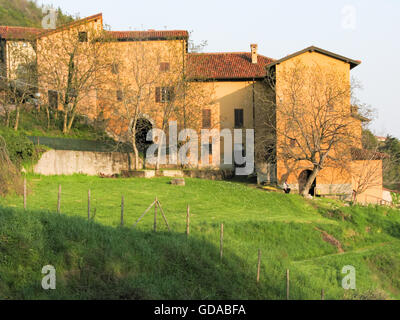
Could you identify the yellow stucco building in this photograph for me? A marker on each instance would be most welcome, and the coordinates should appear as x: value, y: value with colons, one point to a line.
x: 235, y: 83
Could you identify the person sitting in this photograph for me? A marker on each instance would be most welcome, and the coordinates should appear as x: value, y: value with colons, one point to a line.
x: 286, y: 188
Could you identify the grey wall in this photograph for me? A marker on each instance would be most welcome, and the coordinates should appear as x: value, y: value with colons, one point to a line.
x: 60, y: 162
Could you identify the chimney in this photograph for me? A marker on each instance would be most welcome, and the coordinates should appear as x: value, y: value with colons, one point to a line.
x: 254, y: 54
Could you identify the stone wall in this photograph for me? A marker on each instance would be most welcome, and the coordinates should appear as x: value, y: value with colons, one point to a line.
x: 61, y: 162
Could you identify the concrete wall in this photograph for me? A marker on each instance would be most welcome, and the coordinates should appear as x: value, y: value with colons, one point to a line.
x: 387, y: 196
x: 60, y: 162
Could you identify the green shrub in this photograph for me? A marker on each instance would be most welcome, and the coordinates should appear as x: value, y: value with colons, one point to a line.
x: 10, y: 178
x: 20, y: 149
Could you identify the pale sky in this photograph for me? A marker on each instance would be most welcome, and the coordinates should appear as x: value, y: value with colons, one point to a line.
x: 364, y: 30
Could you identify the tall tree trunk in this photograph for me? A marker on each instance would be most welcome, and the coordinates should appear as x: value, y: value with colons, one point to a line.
x: 310, y: 181
x: 65, y: 128
x: 7, y: 118
x: 16, y: 125
x: 71, y: 121
x: 48, y: 118
x: 135, y: 151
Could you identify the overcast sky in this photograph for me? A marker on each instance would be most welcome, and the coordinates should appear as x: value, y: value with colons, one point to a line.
x: 364, y: 30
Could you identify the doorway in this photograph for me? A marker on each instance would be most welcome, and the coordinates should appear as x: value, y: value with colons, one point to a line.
x: 143, y: 127
x: 303, y: 178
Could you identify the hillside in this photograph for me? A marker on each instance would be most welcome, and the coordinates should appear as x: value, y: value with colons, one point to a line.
x: 101, y: 260
x: 24, y: 13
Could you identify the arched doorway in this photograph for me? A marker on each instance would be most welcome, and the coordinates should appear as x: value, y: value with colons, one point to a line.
x: 303, y: 178
x: 143, y: 126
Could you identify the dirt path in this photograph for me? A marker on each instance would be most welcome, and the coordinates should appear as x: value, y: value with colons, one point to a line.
x: 360, y: 250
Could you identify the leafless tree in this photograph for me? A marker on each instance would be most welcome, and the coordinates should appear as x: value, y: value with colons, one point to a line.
x: 367, y: 170
x: 308, y: 118
x: 70, y: 63
x: 19, y: 81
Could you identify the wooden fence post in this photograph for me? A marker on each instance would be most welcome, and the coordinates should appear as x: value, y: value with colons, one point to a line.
x: 221, y: 249
x: 122, y: 210
x: 89, y: 205
x: 24, y: 193
x: 155, y: 215
x: 322, y: 294
x: 188, y: 221
x: 59, y: 199
x: 259, y: 266
x: 288, y: 284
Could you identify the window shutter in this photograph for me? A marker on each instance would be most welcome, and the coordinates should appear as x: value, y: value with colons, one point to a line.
x: 171, y: 94
x: 206, y: 119
x: 239, y: 118
x: 119, y: 95
x: 158, y: 94
x: 164, y: 66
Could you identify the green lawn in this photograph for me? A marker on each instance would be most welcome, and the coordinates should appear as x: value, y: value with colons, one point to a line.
x: 101, y: 260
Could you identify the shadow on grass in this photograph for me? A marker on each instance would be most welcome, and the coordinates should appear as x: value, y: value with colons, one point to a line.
x: 93, y: 261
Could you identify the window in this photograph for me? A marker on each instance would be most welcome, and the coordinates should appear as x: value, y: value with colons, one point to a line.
x: 83, y: 36
x: 2, y: 51
x: 53, y: 99
x: 164, y: 94
x: 120, y: 95
x: 206, y: 118
x: 164, y: 66
x: 208, y: 147
x: 72, y: 93
x: 292, y: 142
x: 330, y: 107
x: 239, y: 118
x: 115, y: 68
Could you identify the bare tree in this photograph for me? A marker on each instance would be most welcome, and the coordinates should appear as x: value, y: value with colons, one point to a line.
x: 70, y: 64
x: 148, y: 82
x: 18, y: 81
x: 367, y: 170
x: 308, y: 118
x: 128, y: 94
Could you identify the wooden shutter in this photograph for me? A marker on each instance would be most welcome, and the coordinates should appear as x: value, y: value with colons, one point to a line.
x: 158, y: 94
x: 171, y: 93
x: 206, y: 118
x: 164, y: 66
x: 53, y: 99
x: 239, y: 118
x: 120, y: 95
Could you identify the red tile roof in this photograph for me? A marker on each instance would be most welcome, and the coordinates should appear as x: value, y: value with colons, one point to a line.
x: 148, y: 35
x: 18, y: 33
x: 229, y: 65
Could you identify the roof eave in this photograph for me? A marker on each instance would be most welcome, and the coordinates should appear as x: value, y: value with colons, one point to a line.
x: 71, y: 25
x: 353, y: 63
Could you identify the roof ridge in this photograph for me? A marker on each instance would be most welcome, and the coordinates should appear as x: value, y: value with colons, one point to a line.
x: 150, y: 30
x: 222, y: 53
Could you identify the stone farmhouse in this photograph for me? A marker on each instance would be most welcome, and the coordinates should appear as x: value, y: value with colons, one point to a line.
x: 232, y: 85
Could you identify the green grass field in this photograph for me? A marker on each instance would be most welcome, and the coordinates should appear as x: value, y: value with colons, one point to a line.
x: 101, y: 260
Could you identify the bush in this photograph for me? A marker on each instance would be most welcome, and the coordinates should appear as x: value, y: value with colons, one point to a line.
x: 10, y: 178
x: 19, y: 148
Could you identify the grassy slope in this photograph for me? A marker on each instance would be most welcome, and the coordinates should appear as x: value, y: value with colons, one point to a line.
x: 25, y: 13
x: 20, y: 13
x: 104, y: 261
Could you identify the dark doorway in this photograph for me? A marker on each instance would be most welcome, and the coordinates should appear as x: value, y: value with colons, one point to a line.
x: 303, y: 178
x: 142, y: 128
